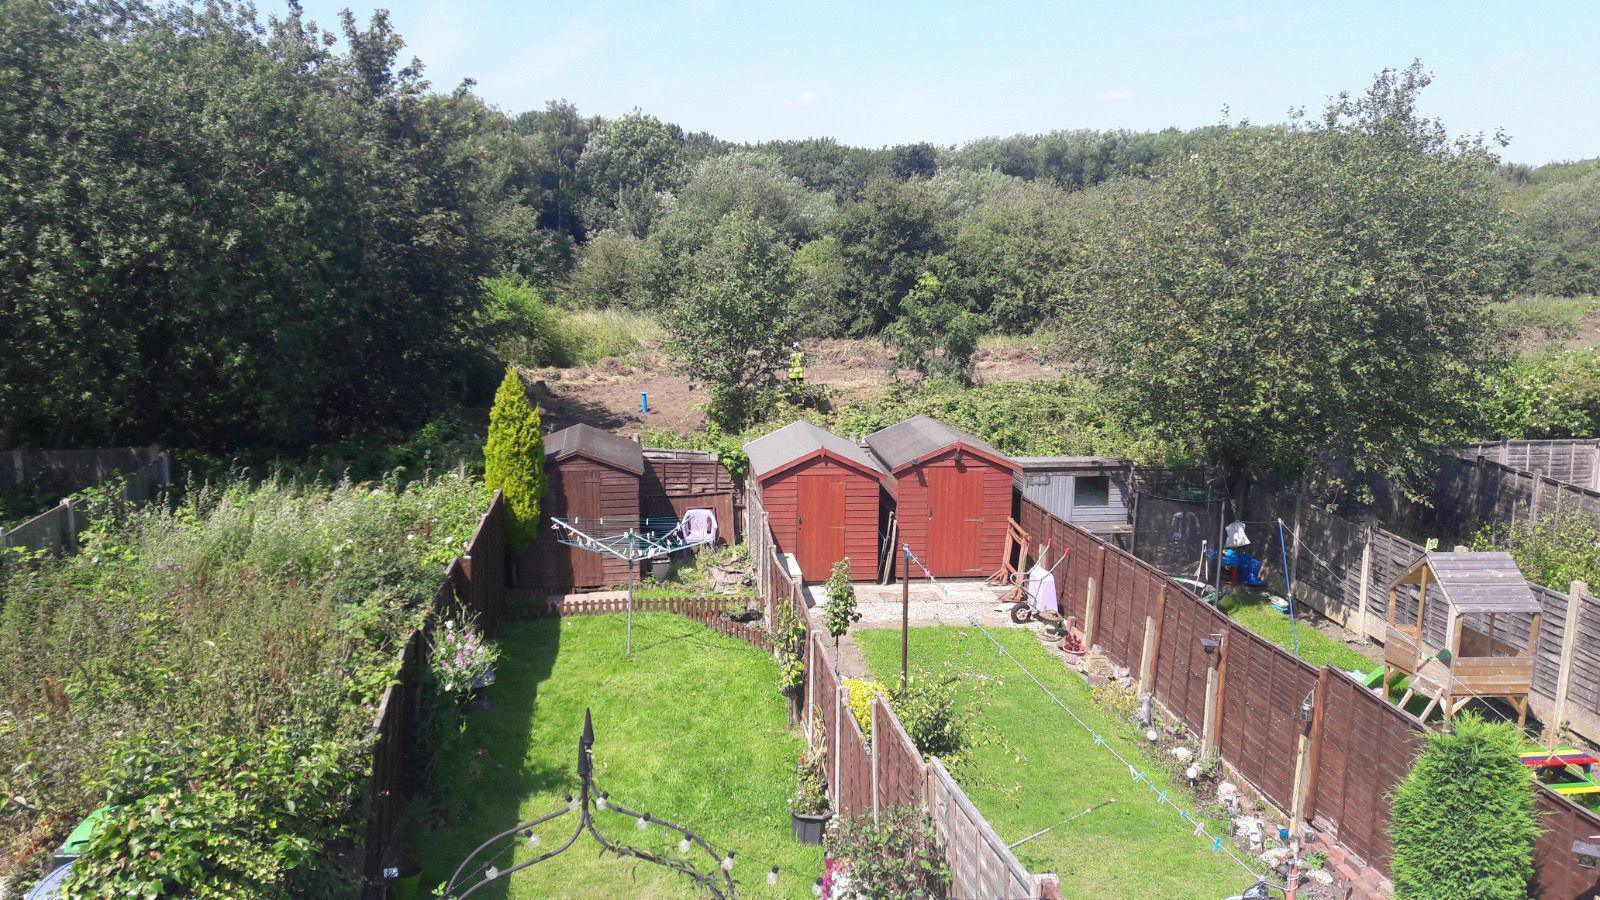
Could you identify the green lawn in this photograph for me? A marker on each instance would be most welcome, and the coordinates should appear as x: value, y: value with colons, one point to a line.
x: 1316, y: 648
x: 1051, y: 768
x: 692, y: 729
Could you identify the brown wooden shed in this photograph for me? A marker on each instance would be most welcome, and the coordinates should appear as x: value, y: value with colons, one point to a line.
x: 591, y: 474
x: 952, y: 495
x: 821, y: 494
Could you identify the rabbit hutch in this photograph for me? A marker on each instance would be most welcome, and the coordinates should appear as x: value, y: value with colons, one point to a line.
x: 952, y: 495
x: 821, y: 493
x: 1491, y: 627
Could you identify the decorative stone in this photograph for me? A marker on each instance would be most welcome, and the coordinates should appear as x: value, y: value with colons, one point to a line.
x: 1184, y: 754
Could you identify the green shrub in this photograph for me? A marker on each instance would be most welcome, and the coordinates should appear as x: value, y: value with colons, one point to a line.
x: 897, y: 857
x: 513, y: 460
x: 1551, y: 394
x: 927, y: 709
x: 253, y: 620
x: 517, y: 323
x: 789, y: 640
x: 1553, y: 551
x: 1462, y: 822
x: 224, y: 816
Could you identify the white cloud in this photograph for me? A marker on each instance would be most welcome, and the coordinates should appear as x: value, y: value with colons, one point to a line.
x: 802, y: 99
x: 1114, y: 96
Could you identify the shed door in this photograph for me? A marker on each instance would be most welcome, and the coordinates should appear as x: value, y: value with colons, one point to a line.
x: 820, y: 543
x: 955, y: 520
x: 580, y: 499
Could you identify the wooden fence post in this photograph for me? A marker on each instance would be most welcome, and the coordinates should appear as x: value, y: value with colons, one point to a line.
x: 872, y: 756
x: 1366, y: 581
x: 1152, y: 640
x: 1569, y: 642
x: 1309, y: 758
x: 1216, y: 683
x: 841, y: 699
x: 1091, y: 601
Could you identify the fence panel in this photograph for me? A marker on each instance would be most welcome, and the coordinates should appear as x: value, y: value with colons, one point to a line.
x: 1262, y: 697
x: 853, y: 795
x: 980, y: 863
x: 1575, y: 461
x: 901, y: 772
x: 1181, y: 663
x: 1555, y: 873
x: 1125, y: 600
x: 1367, y: 748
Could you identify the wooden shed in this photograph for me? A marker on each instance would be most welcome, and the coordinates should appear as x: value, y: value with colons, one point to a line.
x: 591, y: 474
x: 1091, y: 492
x: 1491, y: 630
x: 951, y: 492
x: 821, y: 493
x: 676, y: 481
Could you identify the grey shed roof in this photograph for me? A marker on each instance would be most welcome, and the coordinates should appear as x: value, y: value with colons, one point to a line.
x: 598, y: 445
x: 919, y: 436
x: 1046, y: 463
x: 798, y: 440
x: 1475, y: 582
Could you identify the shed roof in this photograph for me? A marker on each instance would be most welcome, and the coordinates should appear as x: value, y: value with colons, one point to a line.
x: 920, y: 437
x: 800, y: 440
x: 1048, y: 463
x: 593, y: 443
x: 1475, y: 582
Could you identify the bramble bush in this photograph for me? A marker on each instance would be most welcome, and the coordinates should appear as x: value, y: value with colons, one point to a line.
x: 254, y: 623
x: 1463, y: 822
x: 1553, y: 551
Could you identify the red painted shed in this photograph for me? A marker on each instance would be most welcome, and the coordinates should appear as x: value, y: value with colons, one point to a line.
x: 952, y: 495
x: 821, y: 495
x: 591, y: 474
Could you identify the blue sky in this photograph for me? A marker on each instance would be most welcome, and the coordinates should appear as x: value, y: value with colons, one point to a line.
x: 884, y: 73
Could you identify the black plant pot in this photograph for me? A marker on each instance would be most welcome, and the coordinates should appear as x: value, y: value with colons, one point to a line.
x: 808, y: 829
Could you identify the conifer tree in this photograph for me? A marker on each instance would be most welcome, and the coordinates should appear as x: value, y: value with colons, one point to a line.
x: 513, y: 459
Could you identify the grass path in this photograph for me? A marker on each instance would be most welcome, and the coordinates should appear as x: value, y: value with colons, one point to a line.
x: 691, y: 729
x: 1049, y: 768
x: 1316, y: 648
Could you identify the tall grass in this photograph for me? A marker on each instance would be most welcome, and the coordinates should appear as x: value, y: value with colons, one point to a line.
x: 1549, y: 318
x: 244, y: 610
x: 586, y: 336
x: 524, y: 328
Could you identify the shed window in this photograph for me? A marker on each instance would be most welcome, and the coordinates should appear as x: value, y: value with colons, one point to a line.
x: 1091, y: 490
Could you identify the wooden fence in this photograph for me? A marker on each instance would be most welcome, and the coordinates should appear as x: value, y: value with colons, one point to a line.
x: 474, y: 582
x: 713, y: 612
x: 1469, y: 493
x: 65, y: 471
x: 869, y: 775
x: 1342, y: 569
x: 56, y: 530
x: 1315, y: 743
x: 1575, y: 461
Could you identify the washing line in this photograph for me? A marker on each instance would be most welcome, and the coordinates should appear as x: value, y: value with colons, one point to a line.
x: 1219, y: 843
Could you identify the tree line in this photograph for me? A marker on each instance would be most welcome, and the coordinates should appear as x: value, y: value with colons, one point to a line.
x: 223, y: 232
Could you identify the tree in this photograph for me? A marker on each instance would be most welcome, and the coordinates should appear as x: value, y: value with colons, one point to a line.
x: 1288, y: 297
x: 513, y: 460
x: 732, y: 319
x: 1563, y: 229
x: 886, y: 241
x: 220, y: 233
x: 1462, y: 822
x: 840, y: 612
x: 626, y: 168
x: 935, y: 334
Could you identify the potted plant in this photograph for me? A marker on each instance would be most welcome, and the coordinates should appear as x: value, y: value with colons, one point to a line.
x: 809, y: 811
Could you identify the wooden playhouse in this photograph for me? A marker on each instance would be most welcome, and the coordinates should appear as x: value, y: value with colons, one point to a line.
x: 951, y: 493
x: 1491, y: 627
x: 821, y: 493
x: 591, y: 474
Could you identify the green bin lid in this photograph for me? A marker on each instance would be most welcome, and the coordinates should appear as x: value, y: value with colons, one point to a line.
x: 80, y: 836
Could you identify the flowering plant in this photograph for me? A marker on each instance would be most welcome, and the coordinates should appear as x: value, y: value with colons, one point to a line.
x: 811, y: 791
x: 461, y: 657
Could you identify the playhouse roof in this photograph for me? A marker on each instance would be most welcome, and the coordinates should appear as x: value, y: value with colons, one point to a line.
x: 596, y: 444
x: 1475, y: 582
x: 800, y: 440
x: 920, y: 437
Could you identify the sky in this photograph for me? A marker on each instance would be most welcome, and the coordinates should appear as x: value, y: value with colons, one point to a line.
x: 881, y: 73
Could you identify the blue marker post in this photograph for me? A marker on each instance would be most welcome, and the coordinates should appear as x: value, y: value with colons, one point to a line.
x: 644, y: 402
